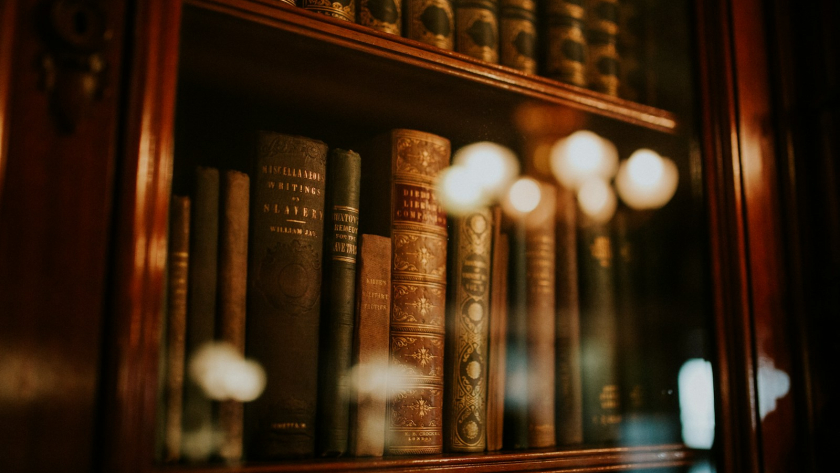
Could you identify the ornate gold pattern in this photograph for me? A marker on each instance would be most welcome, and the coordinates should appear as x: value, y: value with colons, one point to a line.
x: 601, y: 250
x: 468, y: 18
x: 511, y: 29
x: 417, y: 9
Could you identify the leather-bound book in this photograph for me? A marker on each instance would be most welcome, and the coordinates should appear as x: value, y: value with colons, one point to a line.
x: 477, y: 29
x: 630, y: 49
x: 399, y: 201
x: 599, y: 335
x: 569, y: 395
x: 565, y: 42
x: 341, y: 229
x: 201, y: 308
x: 541, y: 319
x: 601, y: 34
x: 518, y: 34
x: 341, y: 9
x: 179, y: 256
x: 381, y: 15
x: 370, y: 347
x: 497, y: 340
x: 232, y: 289
x: 467, y: 329
x: 515, y: 435
x: 284, y: 293
x: 431, y: 22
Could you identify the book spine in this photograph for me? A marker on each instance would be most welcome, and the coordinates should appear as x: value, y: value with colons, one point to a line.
x: 338, y: 304
x: 430, y: 22
x: 418, y: 297
x: 467, y: 326
x: 381, y: 15
x: 232, y: 289
x: 629, y: 47
x: 201, y: 309
x: 518, y: 35
x: 288, y: 2
x: 516, y: 378
x: 599, y: 335
x: 540, y: 276
x: 284, y: 293
x: 179, y: 256
x: 341, y: 9
x: 477, y: 29
x: 566, y: 44
x: 497, y: 339
x: 602, y: 31
x: 569, y: 400
x: 370, y: 346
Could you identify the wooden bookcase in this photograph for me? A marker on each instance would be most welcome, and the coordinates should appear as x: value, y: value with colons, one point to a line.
x: 179, y: 76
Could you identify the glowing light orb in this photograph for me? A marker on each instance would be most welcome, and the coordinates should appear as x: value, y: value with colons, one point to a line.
x: 524, y: 195
x: 223, y: 373
x: 646, y: 180
x: 582, y: 156
x: 492, y: 165
x: 597, y: 200
x: 459, y: 191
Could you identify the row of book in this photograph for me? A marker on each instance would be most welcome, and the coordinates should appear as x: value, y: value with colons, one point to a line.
x: 384, y: 326
x: 599, y: 44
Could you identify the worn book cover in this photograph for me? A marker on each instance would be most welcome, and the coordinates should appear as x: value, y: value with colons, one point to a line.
x: 381, y: 15
x: 602, y: 58
x: 565, y: 42
x: 497, y: 338
x: 407, y: 210
x: 370, y: 347
x: 284, y: 292
x: 431, y: 22
x: 518, y: 34
x: 467, y: 329
x: 477, y: 29
x: 341, y: 229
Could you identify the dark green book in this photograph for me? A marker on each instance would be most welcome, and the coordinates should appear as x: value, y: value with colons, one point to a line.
x: 338, y: 304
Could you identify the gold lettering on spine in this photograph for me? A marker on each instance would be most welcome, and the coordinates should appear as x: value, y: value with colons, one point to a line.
x: 345, y: 233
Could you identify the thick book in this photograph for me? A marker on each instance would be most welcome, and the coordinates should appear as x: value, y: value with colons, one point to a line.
x: 381, y: 15
x: 598, y: 335
x: 179, y: 256
x: 431, y: 22
x: 370, y: 347
x: 344, y: 170
x: 601, y: 35
x: 515, y: 418
x: 341, y: 9
x: 518, y: 34
x: 467, y: 330
x: 568, y: 387
x: 232, y: 289
x: 477, y: 29
x: 541, y: 319
x: 284, y: 292
x: 399, y: 201
x: 201, y: 309
x: 630, y: 50
x: 565, y: 42
x: 497, y: 340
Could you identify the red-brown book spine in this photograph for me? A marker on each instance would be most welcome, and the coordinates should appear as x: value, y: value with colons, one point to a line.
x: 540, y: 276
x: 497, y: 338
x: 467, y: 326
x: 284, y: 293
x: 370, y: 347
x: 179, y: 256
x: 232, y: 288
x: 409, y: 161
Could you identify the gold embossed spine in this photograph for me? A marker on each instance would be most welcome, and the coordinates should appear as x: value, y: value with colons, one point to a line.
x: 518, y: 35
x: 602, y: 59
x: 566, y: 45
x: 431, y: 22
x: 477, y: 29
x: 341, y: 9
x: 381, y: 15
x: 467, y: 333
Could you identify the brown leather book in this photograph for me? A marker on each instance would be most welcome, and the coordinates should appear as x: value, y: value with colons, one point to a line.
x: 232, y: 288
x: 341, y: 9
x: 518, y: 34
x: 467, y: 326
x: 431, y: 22
x: 201, y: 308
x: 370, y: 346
x: 497, y: 340
x: 381, y: 15
x: 284, y: 293
x: 569, y: 395
x: 565, y: 43
x: 407, y: 163
x: 477, y: 29
x: 338, y: 302
x: 602, y: 58
x: 179, y: 247
x: 540, y: 309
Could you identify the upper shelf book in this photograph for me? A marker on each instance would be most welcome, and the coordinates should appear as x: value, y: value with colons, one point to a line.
x: 296, y: 58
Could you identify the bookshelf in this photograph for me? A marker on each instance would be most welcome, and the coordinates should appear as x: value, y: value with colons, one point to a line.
x: 190, y: 77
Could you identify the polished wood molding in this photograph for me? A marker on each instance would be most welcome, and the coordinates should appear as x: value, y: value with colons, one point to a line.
x: 7, y: 38
x: 577, y: 460
x: 303, y: 25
